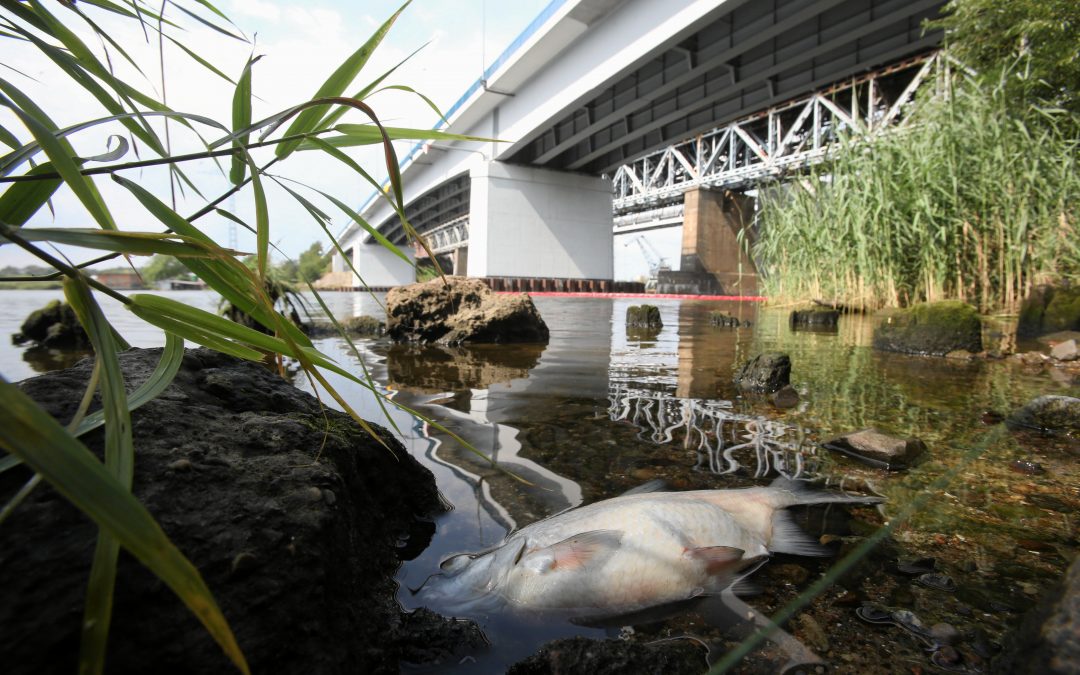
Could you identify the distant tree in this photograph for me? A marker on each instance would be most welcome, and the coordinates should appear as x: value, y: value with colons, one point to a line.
x: 313, y: 263
x: 1042, y: 35
x: 164, y: 267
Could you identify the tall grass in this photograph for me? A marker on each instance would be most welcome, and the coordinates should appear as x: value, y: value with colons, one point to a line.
x: 975, y: 199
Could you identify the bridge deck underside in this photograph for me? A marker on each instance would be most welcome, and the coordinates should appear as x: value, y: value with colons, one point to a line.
x: 753, y: 55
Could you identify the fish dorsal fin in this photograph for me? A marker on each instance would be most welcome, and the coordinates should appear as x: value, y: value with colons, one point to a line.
x: 717, y: 559
x: 654, y: 485
x: 582, y: 549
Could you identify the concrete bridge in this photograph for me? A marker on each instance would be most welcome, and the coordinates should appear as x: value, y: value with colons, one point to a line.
x: 624, y: 117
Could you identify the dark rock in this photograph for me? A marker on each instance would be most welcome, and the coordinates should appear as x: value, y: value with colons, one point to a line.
x: 1048, y: 639
x: 1026, y: 467
x: 725, y: 320
x: 1049, y: 309
x: 456, y: 310
x: 612, y: 657
x: 643, y: 316
x: 424, y: 637
x: 228, y: 459
x: 54, y: 326
x: 765, y: 373
x: 931, y: 328
x: 1048, y: 413
x: 785, y: 397
x: 814, y: 319
x: 878, y: 449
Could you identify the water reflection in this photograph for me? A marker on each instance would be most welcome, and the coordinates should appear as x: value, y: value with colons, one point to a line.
x: 725, y: 441
x: 44, y: 359
x: 437, y: 368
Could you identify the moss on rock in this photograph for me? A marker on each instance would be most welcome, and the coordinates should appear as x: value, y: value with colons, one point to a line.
x: 1049, y: 309
x: 934, y: 328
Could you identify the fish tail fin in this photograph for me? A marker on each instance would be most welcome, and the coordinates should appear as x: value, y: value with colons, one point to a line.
x: 788, y: 537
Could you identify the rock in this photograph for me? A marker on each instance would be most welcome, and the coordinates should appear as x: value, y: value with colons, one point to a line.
x: 1049, y: 309
x: 814, y: 319
x: 457, y: 310
x: 1065, y: 351
x: 785, y: 397
x: 643, y: 316
x: 1048, y: 639
x: 1048, y: 413
x: 365, y: 326
x: 931, y: 328
x: 810, y: 632
x: 725, y: 320
x: 765, y: 373
x: 55, y: 326
x: 228, y: 460
x: 612, y: 657
x: 878, y: 449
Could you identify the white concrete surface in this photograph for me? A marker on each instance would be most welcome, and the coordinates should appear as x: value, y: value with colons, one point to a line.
x: 528, y: 222
x: 381, y: 268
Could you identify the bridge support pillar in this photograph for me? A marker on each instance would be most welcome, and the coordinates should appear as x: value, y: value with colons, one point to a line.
x: 713, y: 260
x: 381, y: 268
x: 538, y: 223
x: 459, y: 261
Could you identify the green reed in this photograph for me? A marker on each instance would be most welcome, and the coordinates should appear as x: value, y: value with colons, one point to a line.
x: 975, y: 198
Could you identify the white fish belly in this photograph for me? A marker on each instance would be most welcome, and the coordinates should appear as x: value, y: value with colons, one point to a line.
x: 650, y: 565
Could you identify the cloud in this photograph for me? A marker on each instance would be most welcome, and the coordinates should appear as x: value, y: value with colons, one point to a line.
x: 257, y: 8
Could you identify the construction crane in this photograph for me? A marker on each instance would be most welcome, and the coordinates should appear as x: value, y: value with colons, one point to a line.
x: 657, y: 263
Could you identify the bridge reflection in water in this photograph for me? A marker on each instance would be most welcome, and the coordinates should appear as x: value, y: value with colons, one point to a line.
x: 724, y: 440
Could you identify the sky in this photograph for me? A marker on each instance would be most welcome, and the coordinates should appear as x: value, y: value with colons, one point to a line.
x: 300, y: 44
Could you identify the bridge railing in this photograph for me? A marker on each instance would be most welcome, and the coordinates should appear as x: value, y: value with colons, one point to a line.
x: 766, y: 145
x: 449, y: 236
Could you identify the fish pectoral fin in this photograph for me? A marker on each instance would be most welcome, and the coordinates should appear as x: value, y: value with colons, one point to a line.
x: 717, y: 559
x: 591, y: 547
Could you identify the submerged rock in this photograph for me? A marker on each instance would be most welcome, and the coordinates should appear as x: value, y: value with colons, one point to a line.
x: 54, y: 326
x: 935, y: 328
x: 1065, y: 351
x: 1049, y: 309
x: 814, y: 319
x: 456, y: 310
x: 765, y: 373
x: 292, y: 513
x: 1048, y: 413
x: 878, y: 449
x: 1048, y: 640
x: 612, y: 657
x: 725, y: 320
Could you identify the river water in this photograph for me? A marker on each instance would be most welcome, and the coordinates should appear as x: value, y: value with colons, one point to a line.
x: 600, y: 410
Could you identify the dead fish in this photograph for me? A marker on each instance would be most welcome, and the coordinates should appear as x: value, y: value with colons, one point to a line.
x: 635, y: 551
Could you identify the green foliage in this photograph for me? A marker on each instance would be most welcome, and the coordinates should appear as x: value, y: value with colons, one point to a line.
x: 976, y: 199
x: 42, y: 163
x: 312, y: 264
x: 1044, y: 35
x: 163, y: 267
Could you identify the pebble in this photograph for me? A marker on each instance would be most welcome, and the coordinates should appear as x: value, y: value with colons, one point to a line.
x: 1026, y: 467
x: 944, y: 633
x: 312, y: 494
x: 812, y: 633
x: 329, y: 497
x: 785, y: 397
x: 180, y: 465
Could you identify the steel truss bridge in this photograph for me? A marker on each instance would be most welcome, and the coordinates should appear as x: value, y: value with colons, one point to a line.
x: 771, y: 144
